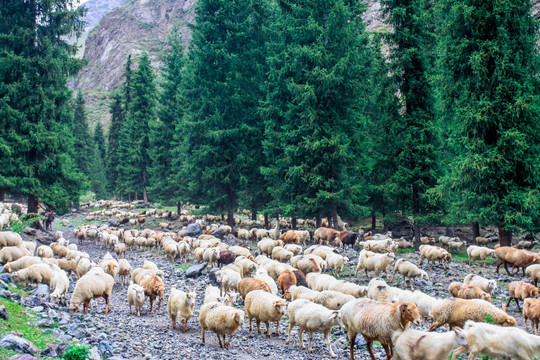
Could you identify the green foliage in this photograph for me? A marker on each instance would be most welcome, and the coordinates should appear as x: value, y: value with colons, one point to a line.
x: 87, y: 197
x: 83, y: 145
x: 76, y: 352
x: 489, y: 320
x: 112, y: 156
x: 98, y: 176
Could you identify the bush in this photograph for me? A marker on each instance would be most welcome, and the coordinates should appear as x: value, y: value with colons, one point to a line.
x: 25, y: 221
x: 89, y: 196
x: 76, y: 352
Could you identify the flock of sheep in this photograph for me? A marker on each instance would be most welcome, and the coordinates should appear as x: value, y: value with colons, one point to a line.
x: 286, y: 277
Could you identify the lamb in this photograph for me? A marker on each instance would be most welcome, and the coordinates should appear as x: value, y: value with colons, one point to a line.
x: 520, y: 290
x: 515, y: 257
x: 246, y: 266
x: 12, y: 253
x: 376, y: 321
x: 264, y: 307
x: 333, y: 300
x: 228, y: 279
x: 120, y: 250
x: 245, y: 286
x: 153, y: 287
x: 326, y: 236
x: 312, y: 318
x: 59, y: 284
x: 534, y: 273
x: 302, y: 292
x: 465, y: 291
x: 368, y: 260
x: 497, y: 341
x: 434, y: 253
x: 220, y: 319
x: 455, y: 312
x: 479, y: 253
x: 124, y: 270
x: 409, y: 270
x: 266, y: 246
x: 488, y: 286
x: 135, y: 296
x: 262, y: 274
x: 285, y: 281
x: 455, y: 245
x: 336, y: 262
x: 280, y: 254
x: 531, y: 311
x: 59, y: 250
x: 37, y: 273
x: 10, y: 238
x: 295, y: 249
x: 181, y: 305
x: 212, y: 294
x: 45, y: 251
x: 413, y: 344
x: 91, y: 285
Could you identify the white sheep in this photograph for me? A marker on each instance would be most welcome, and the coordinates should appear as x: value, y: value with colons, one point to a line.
x: 444, y: 240
x: 479, y: 253
x: 12, y: 253
x: 488, y: 286
x: 246, y: 266
x: 124, y: 270
x: 10, y: 238
x: 181, y: 305
x: 336, y: 262
x: 455, y: 245
x: 320, y: 250
x: 380, y: 246
x: 221, y: 319
x: 302, y: 292
x: 37, y: 273
x: 264, y: 307
x: 30, y: 246
x: 312, y: 318
x: 368, y: 260
x: 409, y: 270
x: 333, y: 300
x: 534, y: 273
x: 266, y: 246
x: 413, y: 344
x: 44, y: 251
x: 228, y: 279
x: 498, y: 341
x: 183, y: 249
x: 90, y: 286
x: 22, y: 263
x: 348, y: 288
x: 280, y: 254
x: 136, y: 297
x: 262, y: 274
x: 434, y: 253
x: 308, y: 264
x: 59, y: 284
x: 319, y: 282
x: 83, y: 266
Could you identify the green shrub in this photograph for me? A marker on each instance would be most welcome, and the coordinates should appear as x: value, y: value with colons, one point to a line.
x: 26, y: 220
x: 76, y: 352
x: 89, y: 196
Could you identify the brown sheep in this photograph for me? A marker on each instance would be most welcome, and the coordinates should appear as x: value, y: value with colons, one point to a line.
x: 531, y: 311
x: 515, y: 257
x: 325, y: 235
x: 153, y: 287
x: 472, y: 292
x: 348, y: 238
x: 249, y: 284
x: 376, y: 321
x: 226, y: 257
x: 300, y: 278
x: 290, y: 237
x: 286, y: 279
x: 520, y: 290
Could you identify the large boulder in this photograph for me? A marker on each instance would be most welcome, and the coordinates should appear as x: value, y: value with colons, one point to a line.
x: 18, y: 344
x: 196, y: 270
x: 219, y: 233
x: 194, y: 229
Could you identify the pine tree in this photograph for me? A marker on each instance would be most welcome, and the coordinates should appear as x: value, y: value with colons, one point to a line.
x: 98, y: 178
x: 219, y: 107
x: 99, y: 140
x: 317, y: 86
x: 411, y: 46
x: 84, y: 146
x: 36, y: 126
x: 134, y: 136
x: 117, y: 121
x: 489, y: 63
x: 162, y: 131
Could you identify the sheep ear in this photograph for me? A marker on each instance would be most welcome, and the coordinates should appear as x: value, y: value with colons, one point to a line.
x: 403, y: 307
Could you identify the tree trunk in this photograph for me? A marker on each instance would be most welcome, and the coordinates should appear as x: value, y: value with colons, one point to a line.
x: 254, y: 215
x: 293, y: 223
x: 145, y: 194
x: 2, y: 195
x: 129, y: 198
x: 178, y: 207
x: 373, y: 221
x: 266, y: 222
x: 475, y: 231
x: 505, y: 237
x: 416, y: 229
x: 136, y: 195
x: 32, y: 204
x: 318, y: 221
x: 230, y: 219
x: 334, y: 216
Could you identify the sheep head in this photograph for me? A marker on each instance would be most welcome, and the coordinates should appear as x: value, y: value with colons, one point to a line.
x: 409, y: 313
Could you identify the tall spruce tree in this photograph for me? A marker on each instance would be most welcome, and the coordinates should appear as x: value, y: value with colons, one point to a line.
x: 134, y: 136
x: 112, y: 158
x: 314, y: 109
x: 98, y: 178
x: 411, y: 53
x: 219, y: 106
x: 489, y: 68
x: 162, y: 149
x: 84, y: 146
x: 36, y: 126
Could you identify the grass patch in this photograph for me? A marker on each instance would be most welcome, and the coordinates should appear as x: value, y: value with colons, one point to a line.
x: 462, y: 256
x: 182, y: 266
x: 23, y: 320
x: 75, y: 221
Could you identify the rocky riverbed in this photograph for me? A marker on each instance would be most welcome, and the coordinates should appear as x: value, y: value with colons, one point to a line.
x: 121, y: 335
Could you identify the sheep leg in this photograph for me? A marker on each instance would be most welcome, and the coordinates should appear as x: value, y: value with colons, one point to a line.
x: 352, y: 340
x: 388, y: 350
x: 370, y: 350
x: 219, y: 340
x: 327, y: 337
x: 184, y: 325
x: 258, y: 326
x: 460, y: 350
x: 498, y: 265
x: 310, y: 349
x: 250, y: 321
x: 356, y: 272
x: 291, y: 325
x: 173, y: 318
x: 267, y: 323
x: 86, y: 306
x: 277, y: 328
x: 107, y: 303
x: 517, y: 303
x: 300, y: 337
x: 151, y: 304
x: 203, y: 331
x: 435, y: 326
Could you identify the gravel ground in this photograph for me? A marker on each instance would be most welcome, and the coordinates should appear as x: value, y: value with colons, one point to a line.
x: 151, y: 336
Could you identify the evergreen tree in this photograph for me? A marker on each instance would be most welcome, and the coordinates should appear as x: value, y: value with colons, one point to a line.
x: 117, y: 121
x: 84, y: 146
x: 98, y: 178
x: 128, y: 75
x: 314, y: 109
x: 134, y: 136
x: 490, y: 88
x: 36, y: 126
x: 99, y: 139
x: 162, y: 131
x: 411, y: 53
x: 219, y: 106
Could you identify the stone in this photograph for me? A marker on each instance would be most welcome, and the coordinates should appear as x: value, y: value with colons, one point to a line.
x: 219, y: 233
x: 15, y: 296
x: 42, y: 290
x: 94, y: 354
x: 3, y: 313
x: 212, y: 276
x: 18, y: 344
x: 6, y: 294
x: 179, y: 272
x: 194, y: 229
x: 22, y: 357
x: 3, y: 285
x: 196, y: 270
x: 77, y: 330
x: 105, y: 348
x: 114, y: 222
x: 5, y: 277
x: 30, y: 231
